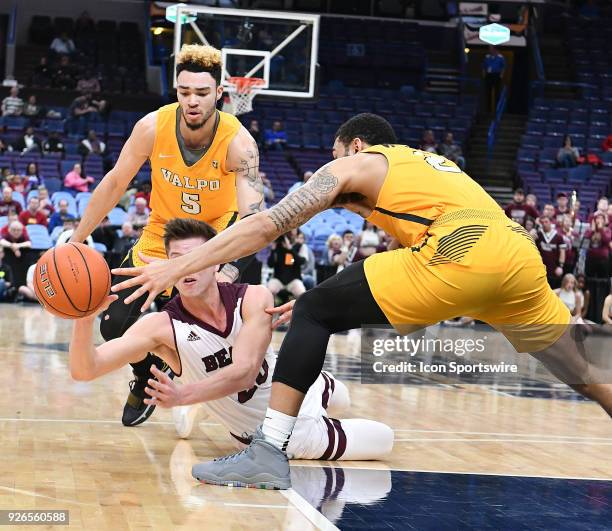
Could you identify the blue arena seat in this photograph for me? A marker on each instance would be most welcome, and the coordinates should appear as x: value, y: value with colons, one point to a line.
x: 39, y: 236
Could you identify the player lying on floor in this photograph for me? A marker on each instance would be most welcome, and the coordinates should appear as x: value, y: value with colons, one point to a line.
x: 216, y: 338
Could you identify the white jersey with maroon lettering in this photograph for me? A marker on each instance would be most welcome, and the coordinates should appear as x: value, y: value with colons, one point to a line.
x: 203, y: 350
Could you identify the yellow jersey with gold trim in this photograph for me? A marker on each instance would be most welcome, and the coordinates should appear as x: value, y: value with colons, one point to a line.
x: 205, y: 190
x: 419, y: 187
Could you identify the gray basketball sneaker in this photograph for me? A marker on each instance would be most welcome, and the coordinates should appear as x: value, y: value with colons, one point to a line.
x: 260, y: 466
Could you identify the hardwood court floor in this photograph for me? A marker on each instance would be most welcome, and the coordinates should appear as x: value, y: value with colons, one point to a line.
x: 63, y: 446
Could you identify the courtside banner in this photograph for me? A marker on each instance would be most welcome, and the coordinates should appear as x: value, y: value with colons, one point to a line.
x: 468, y: 352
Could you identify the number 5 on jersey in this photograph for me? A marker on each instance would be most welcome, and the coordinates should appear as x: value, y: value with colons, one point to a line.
x: 191, y: 203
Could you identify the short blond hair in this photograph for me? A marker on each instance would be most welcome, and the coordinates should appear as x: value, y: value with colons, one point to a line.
x: 199, y: 58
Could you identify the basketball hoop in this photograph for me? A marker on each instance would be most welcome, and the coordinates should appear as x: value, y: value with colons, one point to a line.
x: 241, y: 92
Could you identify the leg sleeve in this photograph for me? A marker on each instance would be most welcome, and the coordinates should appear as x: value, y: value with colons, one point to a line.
x: 340, y: 303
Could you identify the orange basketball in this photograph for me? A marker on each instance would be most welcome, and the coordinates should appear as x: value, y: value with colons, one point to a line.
x: 71, y: 280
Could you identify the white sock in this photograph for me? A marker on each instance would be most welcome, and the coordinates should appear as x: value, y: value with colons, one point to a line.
x: 277, y: 428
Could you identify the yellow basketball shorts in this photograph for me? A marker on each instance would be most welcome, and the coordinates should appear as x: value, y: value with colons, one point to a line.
x: 151, y: 243
x: 471, y: 263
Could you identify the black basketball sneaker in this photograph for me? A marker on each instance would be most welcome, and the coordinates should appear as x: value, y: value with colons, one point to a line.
x: 135, y: 410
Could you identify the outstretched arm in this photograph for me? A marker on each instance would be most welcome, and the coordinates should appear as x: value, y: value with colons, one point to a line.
x: 88, y: 362
x: 247, y: 354
x: 245, y: 237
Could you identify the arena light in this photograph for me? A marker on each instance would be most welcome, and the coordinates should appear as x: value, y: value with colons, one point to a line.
x: 171, y: 14
x: 494, y: 34
x: 157, y: 31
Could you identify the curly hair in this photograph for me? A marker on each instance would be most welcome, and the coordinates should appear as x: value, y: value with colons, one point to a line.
x: 199, y: 58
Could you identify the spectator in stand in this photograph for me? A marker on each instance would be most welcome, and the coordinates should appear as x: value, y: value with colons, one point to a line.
x: 6, y: 279
x: 276, y: 138
x: 598, y: 253
x: 43, y: 75
x: 64, y: 74
x: 62, y: 45
x: 88, y: 84
x: 32, y: 110
x: 15, y: 238
x: 12, y: 105
x: 336, y: 256
x: 46, y: 205
x: 29, y: 142
x: 145, y: 191
x: 32, y: 215
x: 606, y: 312
x: 126, y: 241
x: 18, y: 183
x: 547, y: 212
x: 572, y: 239
x: 75, y: 182
x: 8, y: 204
x: 126, y: 198
x: 451, y: 150
x: 493, y: 68
x: 309, y: 265
x: 602, y: 208
x: 139, y: 217
x: 33, y: 177
x: 519, y: 210
x: 53, y: 144
x: 428, y: 142
x: 106, y: 234
x: 287, y: 262
x: 268, y: 191
x: 69, y: 226
x: 567, y: 156
x: 307, y: 175
x: 552, y: 249
x: 256, y: 133
x: 532, y: 201
x: 27, y: 293
x: 530, y: 227
x: 562, y: 207
x: 606, y: 145
x: 91, y: 145
x: 368, y: 240
x: 569, y: 296
x: 585, y: 294
x: 58, y: 218
x: 82, y: 109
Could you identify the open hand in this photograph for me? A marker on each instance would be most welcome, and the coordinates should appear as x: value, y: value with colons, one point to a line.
x: 163, y: 391
x: 155, y: 277
x: 285, y: 311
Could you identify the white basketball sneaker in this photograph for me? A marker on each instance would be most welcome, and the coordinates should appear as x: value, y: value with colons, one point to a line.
x: 185, y: 418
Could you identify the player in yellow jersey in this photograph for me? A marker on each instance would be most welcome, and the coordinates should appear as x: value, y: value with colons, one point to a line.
x: 460, y: 255
x: 204, y: 165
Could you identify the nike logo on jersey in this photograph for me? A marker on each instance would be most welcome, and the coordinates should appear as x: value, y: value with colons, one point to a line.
x: 193, y: 336
x: 162, y: 156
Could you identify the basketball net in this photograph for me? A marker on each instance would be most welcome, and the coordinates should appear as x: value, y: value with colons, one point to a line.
x: 241, y: 91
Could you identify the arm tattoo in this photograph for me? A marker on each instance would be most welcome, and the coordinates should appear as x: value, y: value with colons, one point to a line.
x: 249, y: 170
x: 316, y: 195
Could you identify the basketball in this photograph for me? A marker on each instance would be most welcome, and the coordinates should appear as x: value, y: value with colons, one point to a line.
x: 71, y: 280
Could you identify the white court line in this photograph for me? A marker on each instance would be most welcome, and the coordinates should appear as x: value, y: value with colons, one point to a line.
x: 526, y: 441
x: 466, y: 472
x: 170, y: 423
x: 37, y: 495
x: 503, y: 434
x: 315, y: 517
